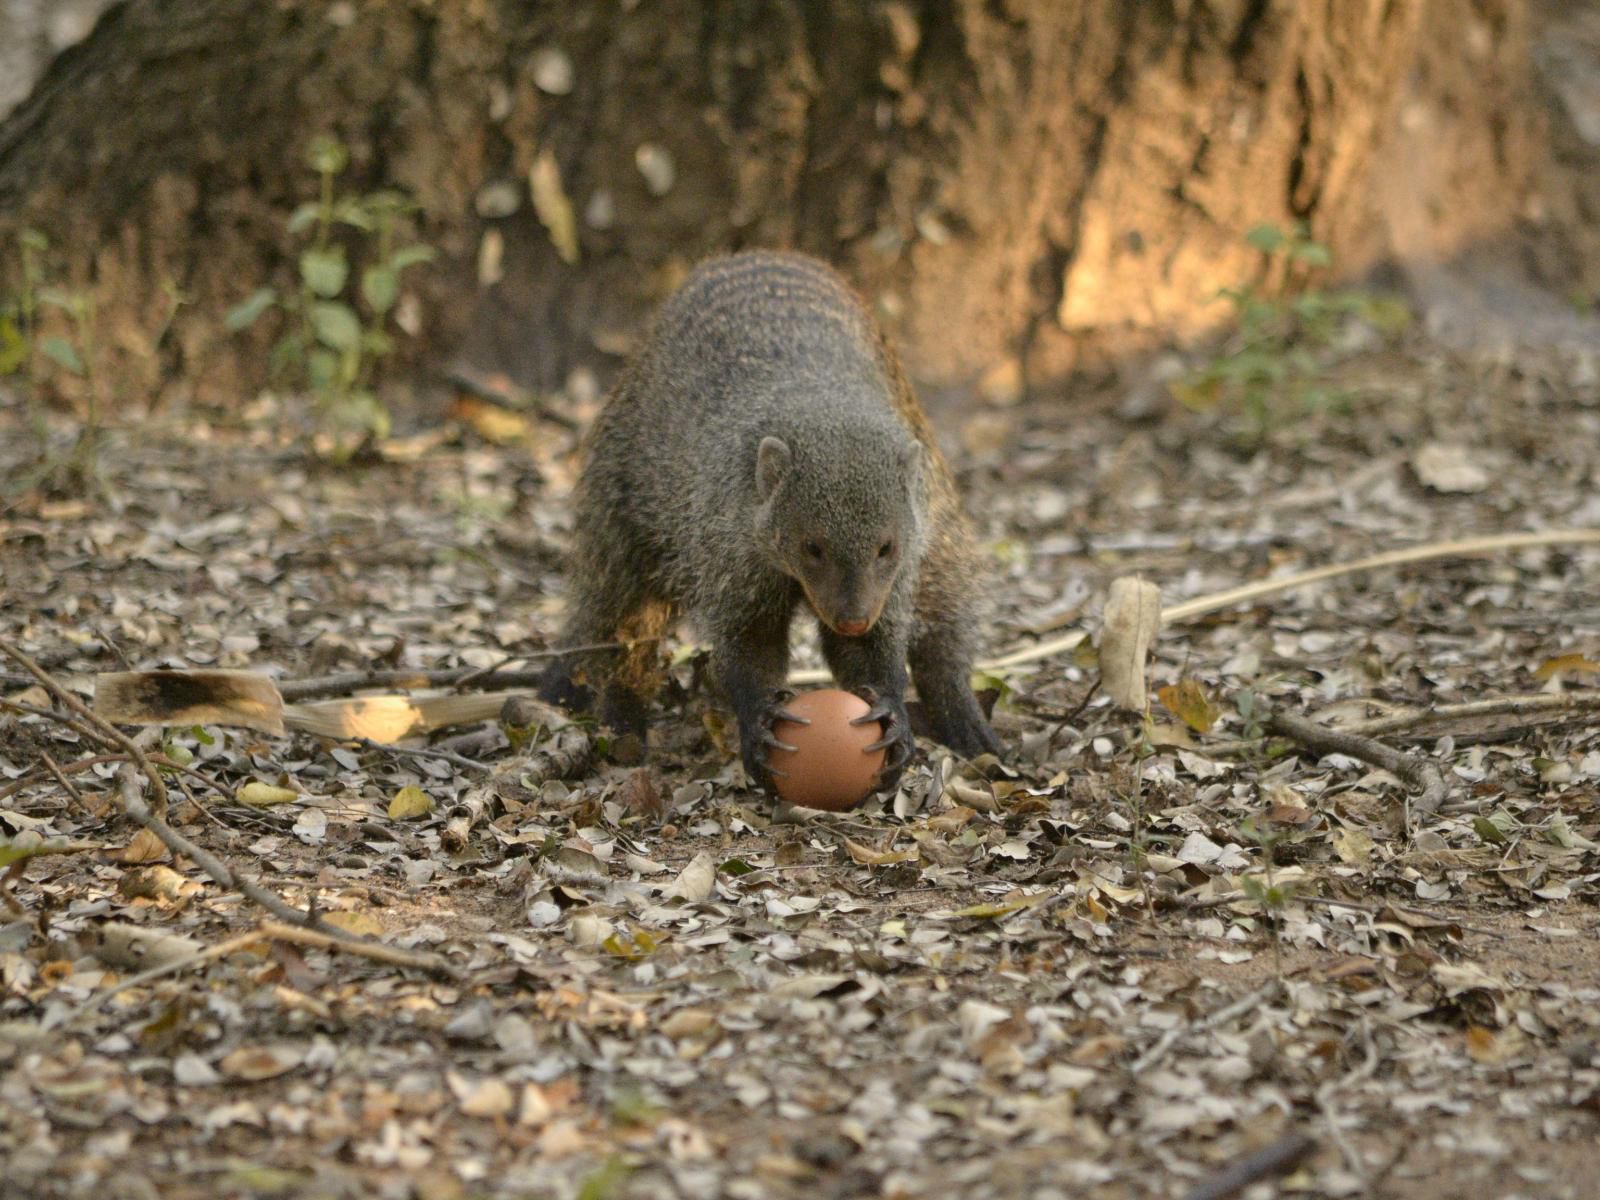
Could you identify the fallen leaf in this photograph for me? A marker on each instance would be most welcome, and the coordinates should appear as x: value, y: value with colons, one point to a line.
x: 697, y: 881
x: 1187, y: 700
x: 1449, y: 467
x: 264, y: 795
x: 409, y: 803
x: 869, y: 857
x: 1566, y: 664
x: 255, y: 1063
x: 553, y: 208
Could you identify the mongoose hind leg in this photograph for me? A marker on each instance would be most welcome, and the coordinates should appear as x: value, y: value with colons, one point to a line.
x: 623, y: 675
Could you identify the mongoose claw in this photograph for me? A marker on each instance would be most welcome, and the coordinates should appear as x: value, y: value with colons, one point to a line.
x: 761, y: 739
x: 897, y: 738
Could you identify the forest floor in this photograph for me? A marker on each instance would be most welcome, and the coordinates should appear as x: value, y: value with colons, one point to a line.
x: 1129, y: 960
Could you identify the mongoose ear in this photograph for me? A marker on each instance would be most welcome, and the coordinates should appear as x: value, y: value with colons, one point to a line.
x: 772, y: 464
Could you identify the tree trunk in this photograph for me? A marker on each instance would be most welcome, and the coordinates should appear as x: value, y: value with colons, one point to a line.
x: 1024, y: 187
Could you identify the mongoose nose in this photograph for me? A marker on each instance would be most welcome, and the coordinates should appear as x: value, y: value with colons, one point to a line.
x: 852, y: 628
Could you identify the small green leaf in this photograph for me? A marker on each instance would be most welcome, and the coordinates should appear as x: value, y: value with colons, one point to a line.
x: 322, y: 369
x: 326, y: 155
x: 249, y: 310
x: 1313, y: 254
x: 1265, y: 238
x: 324, y: 270
x: 305, y: 217
x: 63, y: 353
x: 32, y: 239
x: 388, y: 203
x: 288, y: 351
x: 353, y: 212
x: 410, y: 256
x: 380, y: 287
x: 13, y: 348
x: 70, y: 302
x: 335, y: 325
x: 1489, y: 831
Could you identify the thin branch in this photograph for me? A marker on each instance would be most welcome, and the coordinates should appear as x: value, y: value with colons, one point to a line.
x: 1420, y: 773
x: 377, y: 951
x: 1201, y: 605
x: 345, y: 682
x: 1273, y: 1159
x: 104, y: 732
x: 1222, y: 1016
x: 1495, y: 706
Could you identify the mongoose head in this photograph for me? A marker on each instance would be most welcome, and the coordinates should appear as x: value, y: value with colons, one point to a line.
x: 843, y: 517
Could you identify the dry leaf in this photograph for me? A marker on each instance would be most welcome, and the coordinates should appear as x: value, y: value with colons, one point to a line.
x: 358, y: 923
x: 483, y: 1098
x: 409, y: 803
x: 697, y: 881
x: 1449, y: 467
x: 869, y: 857
x: 1567, y: 664
x: 255, y: 1063
x: 1187, y: 700
x: 552, y: 206
x: 145, y: 847
x: 264, y: 795
x: 1132, y: 621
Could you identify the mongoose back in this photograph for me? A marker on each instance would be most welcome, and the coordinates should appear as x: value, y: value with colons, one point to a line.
x: 763, y: 451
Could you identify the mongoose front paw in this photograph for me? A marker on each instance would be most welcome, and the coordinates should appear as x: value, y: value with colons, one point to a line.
x: 897, y: 741
x: 757, y: 739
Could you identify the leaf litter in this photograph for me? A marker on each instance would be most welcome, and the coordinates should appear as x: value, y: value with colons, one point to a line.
x: 1141, y: 955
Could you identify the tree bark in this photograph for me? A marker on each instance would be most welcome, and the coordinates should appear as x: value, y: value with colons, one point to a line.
x: 1024, y: 188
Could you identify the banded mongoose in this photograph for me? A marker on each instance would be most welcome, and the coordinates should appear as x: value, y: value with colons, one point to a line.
x: 762, y: 449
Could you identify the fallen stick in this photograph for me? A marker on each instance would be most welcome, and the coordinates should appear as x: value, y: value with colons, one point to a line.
x: 1201, y: 605
x: 1536, y: 703
x: 1273, y: 1159
x: 1420, y: 773
x: 102, y: 732
x: 272, y: 931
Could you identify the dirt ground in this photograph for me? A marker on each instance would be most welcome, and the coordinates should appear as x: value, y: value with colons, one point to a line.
x: 1115, y: 967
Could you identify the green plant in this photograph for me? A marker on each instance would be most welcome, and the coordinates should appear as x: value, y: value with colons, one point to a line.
x: 30, y: 353
x: 336, y: 334
x: 1271, y: 362
x: 1273, y: 895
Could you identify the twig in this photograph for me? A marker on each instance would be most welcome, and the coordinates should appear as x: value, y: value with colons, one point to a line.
x: 420, y: 960
x: 83, y: 764
x: 66, y: 784
x: 134, y: 805
x: 1273, y: 1159
x: 423, y: 752
x: 1217, y: 601
x: 1221, y: 1017
x: 1203, y: 903
x: 105, y: 732
x: 1420, y: 773
x: 1522, y: 705
x: 348, y: 681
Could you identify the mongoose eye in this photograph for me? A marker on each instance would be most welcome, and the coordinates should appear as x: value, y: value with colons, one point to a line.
x: 885, y: 550
x: 814, y: 550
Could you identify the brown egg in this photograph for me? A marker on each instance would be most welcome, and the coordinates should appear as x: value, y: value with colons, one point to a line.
x: 829, y: 766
